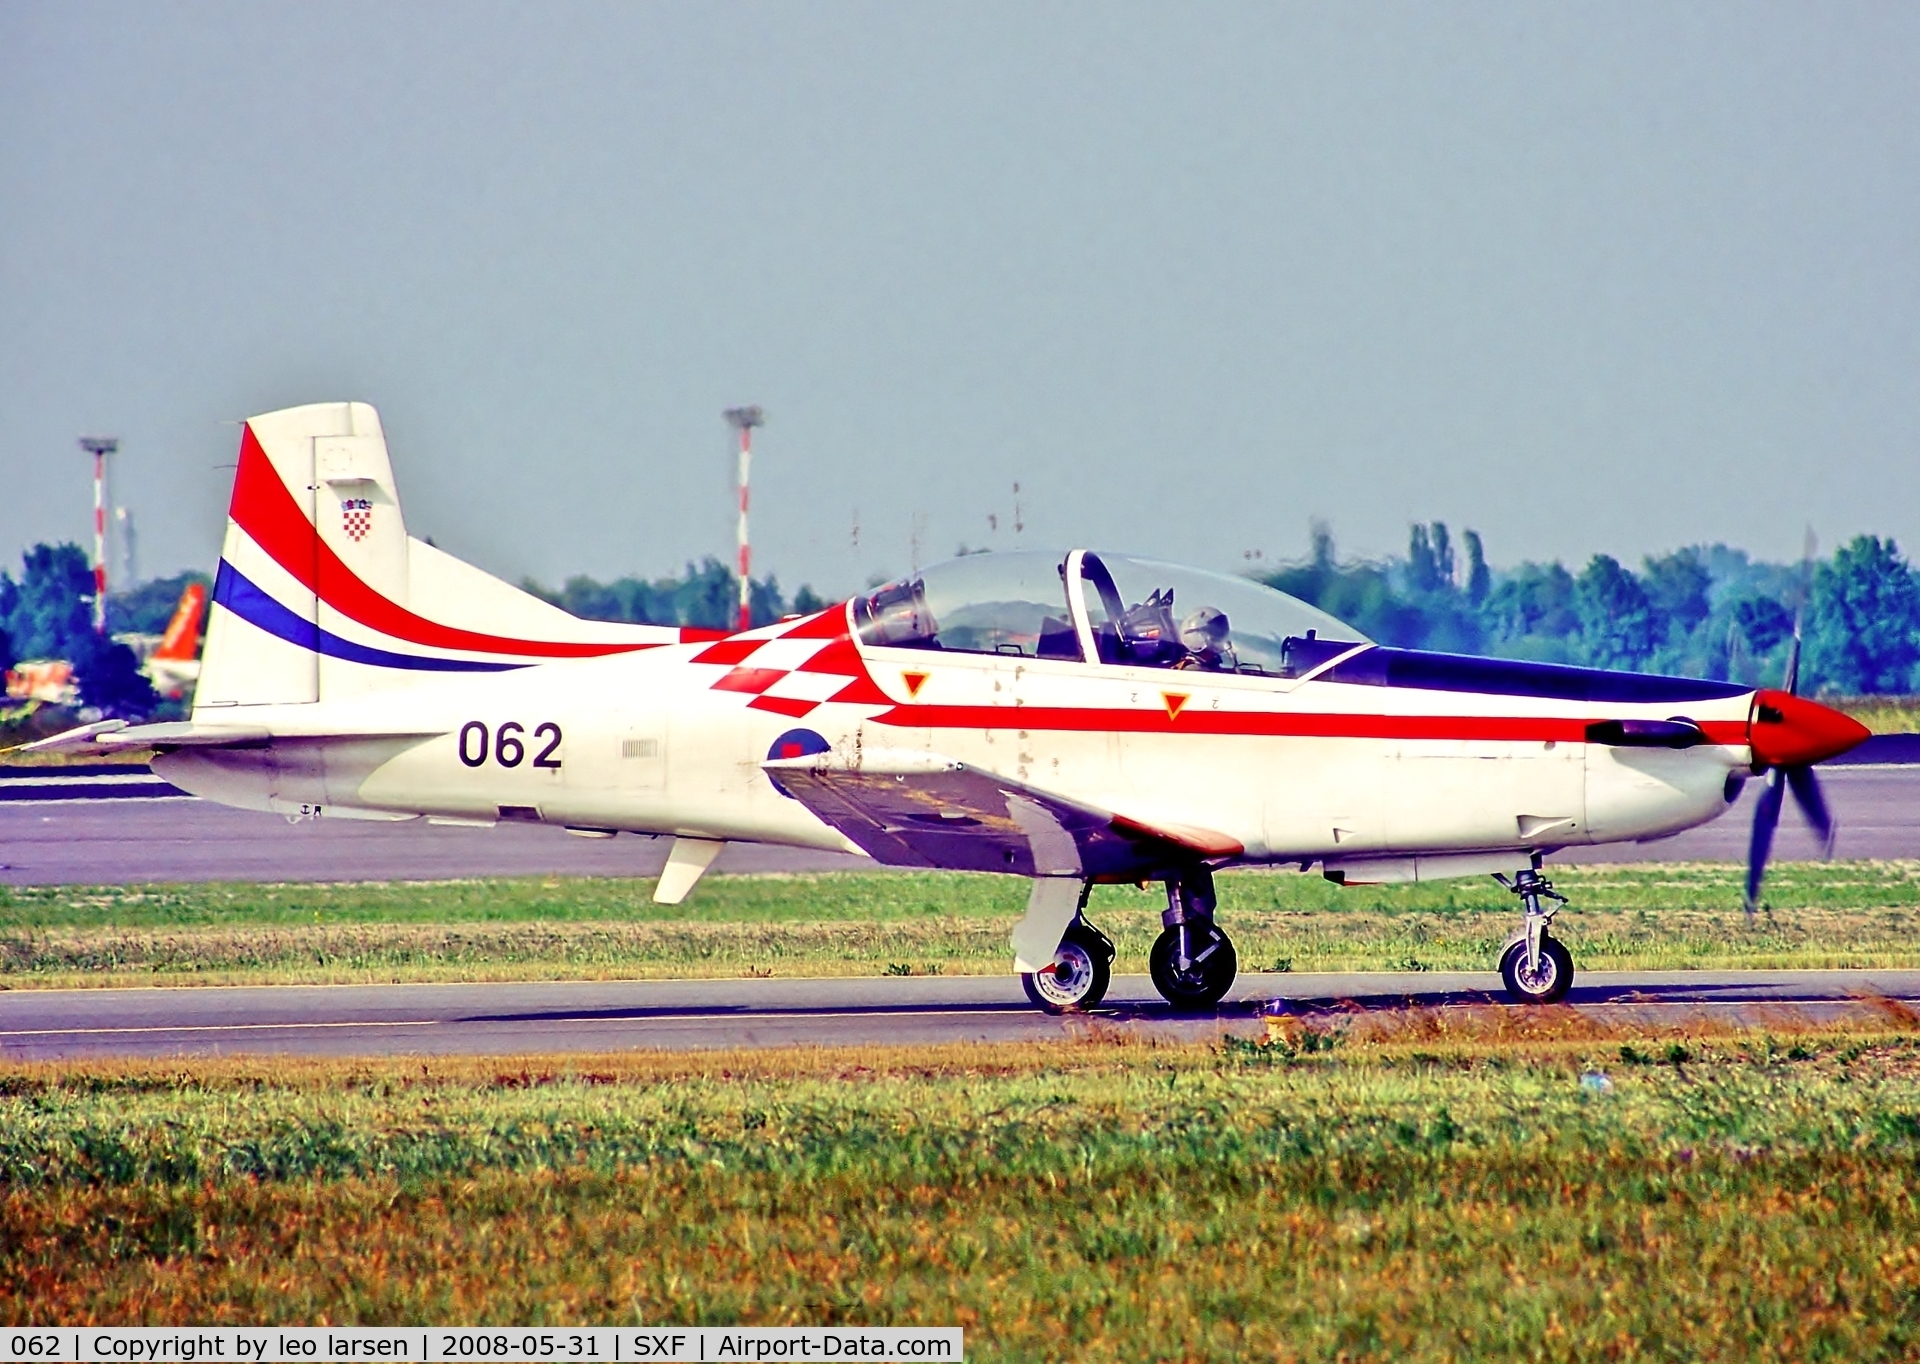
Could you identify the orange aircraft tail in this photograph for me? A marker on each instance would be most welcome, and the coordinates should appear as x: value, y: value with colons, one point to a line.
x: 183, y: 631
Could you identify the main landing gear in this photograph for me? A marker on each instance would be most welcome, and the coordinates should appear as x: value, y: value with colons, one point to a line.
x: 1192, y: 961
x: 1078, y: 977
x: 1536, y: 966
x: 1082, y: 966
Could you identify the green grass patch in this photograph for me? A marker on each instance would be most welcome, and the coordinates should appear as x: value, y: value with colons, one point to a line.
x: 1430, y: 1193
x: 1882, y: 714
x: 1850, y: 914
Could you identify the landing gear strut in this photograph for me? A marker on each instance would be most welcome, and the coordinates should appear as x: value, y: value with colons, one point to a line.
x: 1536, y: 966
x: 1192, y: 961
x: 1080, y: 972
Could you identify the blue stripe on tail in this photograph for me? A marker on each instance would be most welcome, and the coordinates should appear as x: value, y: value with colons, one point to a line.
x: 235, y: 591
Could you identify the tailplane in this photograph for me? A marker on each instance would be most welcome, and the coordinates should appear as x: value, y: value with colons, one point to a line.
x: 322, y: 594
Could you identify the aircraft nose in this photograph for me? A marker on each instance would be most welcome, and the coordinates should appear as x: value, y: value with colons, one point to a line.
x: 1787, y: 730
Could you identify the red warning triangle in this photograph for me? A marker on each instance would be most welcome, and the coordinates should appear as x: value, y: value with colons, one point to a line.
x: 1176, y: 702
x: 914, y: 682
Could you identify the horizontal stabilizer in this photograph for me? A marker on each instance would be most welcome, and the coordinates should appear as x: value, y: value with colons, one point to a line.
x: 914, y: 810
x: 182, y: 734
x: 117, y: 736
x: 73, y: 740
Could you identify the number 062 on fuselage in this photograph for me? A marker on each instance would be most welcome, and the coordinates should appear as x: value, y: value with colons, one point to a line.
x: 1069, y: 718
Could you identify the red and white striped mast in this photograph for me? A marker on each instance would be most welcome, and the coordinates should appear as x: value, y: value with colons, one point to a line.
x: 743, y: 420
x: 99, y: 447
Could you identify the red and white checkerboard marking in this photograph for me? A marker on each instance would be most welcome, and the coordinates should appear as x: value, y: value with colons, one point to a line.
x: 792, y: 669
x: 356, y: 518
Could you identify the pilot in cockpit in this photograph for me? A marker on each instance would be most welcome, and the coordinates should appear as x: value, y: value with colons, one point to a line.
x: 1207, y: 637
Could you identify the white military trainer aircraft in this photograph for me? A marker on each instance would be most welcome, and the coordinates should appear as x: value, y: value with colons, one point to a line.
x: 1070, y: 718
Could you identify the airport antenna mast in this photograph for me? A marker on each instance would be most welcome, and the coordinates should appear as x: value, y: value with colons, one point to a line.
x: 99, y: 447
x: 743, y: 420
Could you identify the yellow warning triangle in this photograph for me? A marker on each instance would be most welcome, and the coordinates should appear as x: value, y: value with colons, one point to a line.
x: 1176, y: 702
x: 914, y: 682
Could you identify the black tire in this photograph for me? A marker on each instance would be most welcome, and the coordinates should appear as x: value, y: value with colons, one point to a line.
x: 1552, y: 983
x: 1082, y: 970
x: 1203, y: 984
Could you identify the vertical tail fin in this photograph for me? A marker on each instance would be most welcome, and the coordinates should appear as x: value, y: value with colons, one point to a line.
x: 177, y: 645
x: 321, y: 593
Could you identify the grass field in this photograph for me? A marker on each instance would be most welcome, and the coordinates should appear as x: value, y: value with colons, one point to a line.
x: 1425, y: 1187
x: 1845, y: 914
x: 1883, y: 714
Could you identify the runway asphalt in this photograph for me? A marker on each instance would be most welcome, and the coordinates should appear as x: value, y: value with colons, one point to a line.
x: 121, y: 841
x: 130, y: 840
x: 598, y: 1016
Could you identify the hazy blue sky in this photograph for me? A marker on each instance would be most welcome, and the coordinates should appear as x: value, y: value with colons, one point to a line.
x: 1585, y: 277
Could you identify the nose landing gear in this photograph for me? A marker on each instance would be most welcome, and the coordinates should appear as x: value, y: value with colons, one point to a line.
x: 1536, y: 966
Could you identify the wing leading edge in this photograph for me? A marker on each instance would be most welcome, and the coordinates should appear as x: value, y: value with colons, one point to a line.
x: 913, y: 810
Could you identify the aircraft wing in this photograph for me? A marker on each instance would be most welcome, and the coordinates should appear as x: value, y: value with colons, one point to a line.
x: 918, y: 810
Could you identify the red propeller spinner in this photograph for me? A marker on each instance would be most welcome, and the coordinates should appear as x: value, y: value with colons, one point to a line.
x: 1789, y: 731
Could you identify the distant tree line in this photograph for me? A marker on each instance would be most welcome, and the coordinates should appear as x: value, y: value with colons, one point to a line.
x: 707, y: 595
x: 1704, y: 611
x: 147, y: 608
x: 48, y: 613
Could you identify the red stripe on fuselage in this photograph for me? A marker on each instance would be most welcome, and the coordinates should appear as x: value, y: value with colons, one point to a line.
x: 265, y: 510
x: 1311, y: 725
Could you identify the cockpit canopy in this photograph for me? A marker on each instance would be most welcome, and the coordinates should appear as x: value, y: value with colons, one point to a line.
x: 1119, y: 609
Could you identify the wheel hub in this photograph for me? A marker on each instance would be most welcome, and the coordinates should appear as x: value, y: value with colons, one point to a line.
x: 1536, y: 979
x: 1066, y: 979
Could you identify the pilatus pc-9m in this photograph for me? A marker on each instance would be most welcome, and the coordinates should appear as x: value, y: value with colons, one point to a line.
x: 1068, y: 718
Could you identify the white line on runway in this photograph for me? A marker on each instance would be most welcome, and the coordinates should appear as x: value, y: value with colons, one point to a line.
x: 779, y: 1015
x: 223, y: 1027
x: 732, y: 1017
x: 55, y: 777
x: 11, y: 802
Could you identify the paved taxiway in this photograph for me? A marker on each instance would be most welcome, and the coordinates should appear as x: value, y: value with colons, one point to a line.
x: 117, y: 841
x: 112, y: 841
x: 590, y: 1016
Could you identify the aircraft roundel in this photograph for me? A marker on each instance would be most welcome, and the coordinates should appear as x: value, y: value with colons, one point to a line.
x: 795, y: 743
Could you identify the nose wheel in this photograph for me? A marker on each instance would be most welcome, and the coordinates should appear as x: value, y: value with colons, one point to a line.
x: 1544, y: 981
x: 1535, y: 965
x: 1079, y: 974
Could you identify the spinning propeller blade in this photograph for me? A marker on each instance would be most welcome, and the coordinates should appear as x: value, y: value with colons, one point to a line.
x: 1806, y: 794
x: 1791, y: 686
x: 1788, y: 736
x: 1766, y: 818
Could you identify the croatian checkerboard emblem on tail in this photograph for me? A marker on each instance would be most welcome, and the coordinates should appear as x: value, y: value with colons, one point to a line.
x: 356, y: 518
